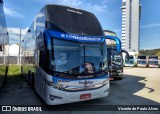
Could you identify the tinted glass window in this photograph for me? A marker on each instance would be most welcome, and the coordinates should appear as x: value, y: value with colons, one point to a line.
x: 43, y: 60
x: 72, y: 57
x: 153, y: 57
x: 72, y: 20
x: 141, y: 57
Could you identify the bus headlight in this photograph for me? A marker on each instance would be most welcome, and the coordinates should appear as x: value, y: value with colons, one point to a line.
x: 105, y: 82
x: 56, y: 86
x: 49, y: 83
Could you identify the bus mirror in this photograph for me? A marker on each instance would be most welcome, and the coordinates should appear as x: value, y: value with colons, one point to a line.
x: 127, y: 54
x: 1, y: 49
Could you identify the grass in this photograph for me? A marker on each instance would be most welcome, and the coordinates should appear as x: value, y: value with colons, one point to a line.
x: 14, y: 75
x: 14, y: 70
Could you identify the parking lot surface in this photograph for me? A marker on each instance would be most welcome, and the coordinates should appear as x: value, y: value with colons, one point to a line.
x: 140, y: 86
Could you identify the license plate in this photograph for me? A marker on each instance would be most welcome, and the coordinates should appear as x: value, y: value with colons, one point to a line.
x: 85, y: 96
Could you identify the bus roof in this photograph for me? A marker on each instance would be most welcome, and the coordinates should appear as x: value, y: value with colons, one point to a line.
x: 72, y: 20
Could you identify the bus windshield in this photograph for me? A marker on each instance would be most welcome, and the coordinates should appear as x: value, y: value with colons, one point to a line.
x: 141, y: 62
x: 111, y: 44
x: 77, y: 58
x: 141, y: 57
x: 117, y: 59
x: 153, y: 57
x: 153, y: 62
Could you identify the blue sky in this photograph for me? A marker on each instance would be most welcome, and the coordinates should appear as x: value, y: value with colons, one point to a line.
x: 20, y: 14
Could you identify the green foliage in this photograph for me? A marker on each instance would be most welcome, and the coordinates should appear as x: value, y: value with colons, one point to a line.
x: 150, y: 52
x: 14, y: 70
x: 14, y: 75
x: 158, y: 54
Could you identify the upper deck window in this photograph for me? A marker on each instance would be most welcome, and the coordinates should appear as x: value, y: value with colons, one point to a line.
x: 73, y: 21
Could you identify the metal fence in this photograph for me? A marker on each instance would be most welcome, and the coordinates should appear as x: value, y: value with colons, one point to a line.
x: 4, y: 60
x: 15, y: 60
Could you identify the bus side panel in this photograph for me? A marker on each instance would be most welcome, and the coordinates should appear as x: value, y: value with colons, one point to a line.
x: 4, y: 46
x: 28, y: 56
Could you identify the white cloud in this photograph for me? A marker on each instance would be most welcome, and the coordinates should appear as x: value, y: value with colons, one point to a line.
x: 118, y: 30
x: 73, y: 3
x: 11, y: 12
x: 14, y: 34
x: 150, y: 25
x: 17, y: 31
x: 96, y: 7
x: 90, y: 6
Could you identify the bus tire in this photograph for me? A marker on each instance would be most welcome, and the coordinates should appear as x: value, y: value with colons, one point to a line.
x: 33, y: 81
x: 29, y: 77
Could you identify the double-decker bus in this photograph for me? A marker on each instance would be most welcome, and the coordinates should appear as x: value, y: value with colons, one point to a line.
x: 4, y: 41
x: 142, y: 61
x: 153, y: 61
x: 65, y: 56
x: 115, y: 58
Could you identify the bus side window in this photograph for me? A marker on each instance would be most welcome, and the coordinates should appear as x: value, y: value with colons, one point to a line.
x: 43, y: 60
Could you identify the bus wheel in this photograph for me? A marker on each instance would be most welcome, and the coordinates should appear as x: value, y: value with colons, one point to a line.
x: 33, y: 81
x: 29, y: 77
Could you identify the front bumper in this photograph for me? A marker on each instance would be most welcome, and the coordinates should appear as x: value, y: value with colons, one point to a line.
x: 63, y: 97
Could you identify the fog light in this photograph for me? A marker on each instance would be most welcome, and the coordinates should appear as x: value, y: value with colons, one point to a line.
x: 51, y: 97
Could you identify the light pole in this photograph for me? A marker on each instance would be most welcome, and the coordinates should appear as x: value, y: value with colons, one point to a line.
x: 4, y: 51
x: 19, y: 53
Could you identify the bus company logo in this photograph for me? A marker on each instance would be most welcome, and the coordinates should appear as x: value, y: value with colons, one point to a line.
x: 84, y: 38
x: 6, y: 108
x: 74, y: 11
x: 86, y: 82
x: 62, y: 35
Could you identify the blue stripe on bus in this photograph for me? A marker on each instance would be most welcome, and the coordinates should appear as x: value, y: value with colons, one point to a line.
x: 75, y: 37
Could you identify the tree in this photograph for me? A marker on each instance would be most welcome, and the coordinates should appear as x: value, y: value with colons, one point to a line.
x: 158, y: 53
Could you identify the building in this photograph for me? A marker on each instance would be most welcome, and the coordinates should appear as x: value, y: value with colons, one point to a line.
x: 13, y: 50
x: 131, y: 11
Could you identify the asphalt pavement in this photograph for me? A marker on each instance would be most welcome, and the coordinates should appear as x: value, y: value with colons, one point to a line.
x: 139, y: 87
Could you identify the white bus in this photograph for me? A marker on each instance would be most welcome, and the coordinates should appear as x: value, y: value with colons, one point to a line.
x: 130, y: 62
x: 142, y: 61
x: 65, y: 56
x: 153, y: 61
